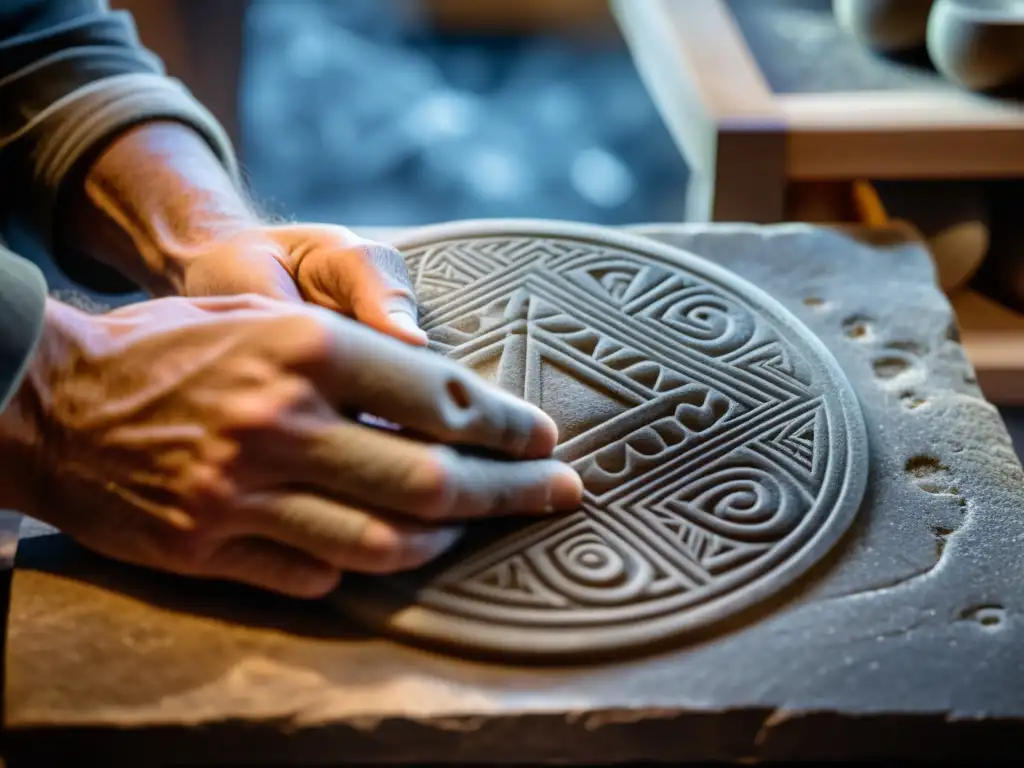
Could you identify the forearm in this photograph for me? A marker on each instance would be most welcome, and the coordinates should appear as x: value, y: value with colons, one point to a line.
x: 150, y: 200
x: 75, y: 87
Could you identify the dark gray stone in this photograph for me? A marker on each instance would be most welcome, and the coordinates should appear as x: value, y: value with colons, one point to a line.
x: 722, y: 449
x: 906, y: 641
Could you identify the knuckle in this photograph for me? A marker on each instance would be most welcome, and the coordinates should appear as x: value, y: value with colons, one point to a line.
x: 430, y: 485
x: 293, y: 392
x: 267, y: 405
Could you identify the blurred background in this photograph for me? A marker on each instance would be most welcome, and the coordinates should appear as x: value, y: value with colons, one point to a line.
x: 376, y: 112
x: 404, y: 112
x: 408, y: 112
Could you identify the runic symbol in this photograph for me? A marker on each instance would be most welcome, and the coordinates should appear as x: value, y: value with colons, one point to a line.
x: 609, y: 352
x: 512, y: 580
x: 708, y: 550
x: 797, y: 440
x: 616, y: 281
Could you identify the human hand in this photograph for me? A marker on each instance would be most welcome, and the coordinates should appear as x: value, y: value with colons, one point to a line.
x: 218, y: 438
x: 323, y: 264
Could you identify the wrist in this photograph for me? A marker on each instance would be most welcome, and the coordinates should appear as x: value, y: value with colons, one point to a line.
x: 170, y: 249
x: 154, y: 200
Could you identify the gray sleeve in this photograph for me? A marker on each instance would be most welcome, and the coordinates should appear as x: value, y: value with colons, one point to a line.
x: 22, y: 308
x: 73, y: 76
x: 75, y: 130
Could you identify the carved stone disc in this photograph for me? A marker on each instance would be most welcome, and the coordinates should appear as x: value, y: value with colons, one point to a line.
x: 722, y: 449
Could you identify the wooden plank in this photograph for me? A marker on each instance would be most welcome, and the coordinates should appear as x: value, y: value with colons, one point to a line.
x: 993, y: 338
x: 894, y: 135
x: 716, y: 103
x: 519, y: 16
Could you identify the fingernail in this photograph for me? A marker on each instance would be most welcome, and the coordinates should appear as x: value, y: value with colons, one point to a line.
x: 407, y: 323
x: 565, y: 491
x: 438, y: 541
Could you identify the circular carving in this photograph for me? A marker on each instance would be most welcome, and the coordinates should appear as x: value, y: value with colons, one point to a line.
x: 722, y: 449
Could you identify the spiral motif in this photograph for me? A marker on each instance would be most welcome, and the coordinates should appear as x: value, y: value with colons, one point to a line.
x: 585, y: 566
x: 710, y: 323
x: 589, y: 560
x: 743, y: 503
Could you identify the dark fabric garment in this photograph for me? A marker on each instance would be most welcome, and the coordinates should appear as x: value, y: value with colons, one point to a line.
x: 73, y: 76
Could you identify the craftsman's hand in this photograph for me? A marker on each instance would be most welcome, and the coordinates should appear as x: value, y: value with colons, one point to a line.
x: 327, y: 265
x: 159, y: 207
x: 219, y: 438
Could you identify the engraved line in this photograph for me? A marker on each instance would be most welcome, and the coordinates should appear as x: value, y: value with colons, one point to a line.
x: 690, y: 571
x: 597, y: 374
x: 703, y: 442
x: 621, y: 427
x: 445, y: 309
x: 804, y: 483
x: 664, y: 548
x: 656, y: 294
x: 694, y: 368
x: 728, y: 380
x: 618, y: 377
x: 728, y: 440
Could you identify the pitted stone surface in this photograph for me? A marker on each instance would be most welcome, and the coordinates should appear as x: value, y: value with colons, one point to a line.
x: 722, y: 449
x: 908, y: 640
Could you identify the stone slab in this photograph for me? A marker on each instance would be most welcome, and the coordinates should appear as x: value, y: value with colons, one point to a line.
x: 907, y: 641
x: 721, y: 448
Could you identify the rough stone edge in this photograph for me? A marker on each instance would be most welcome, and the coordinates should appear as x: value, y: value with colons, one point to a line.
x: 603, y: 737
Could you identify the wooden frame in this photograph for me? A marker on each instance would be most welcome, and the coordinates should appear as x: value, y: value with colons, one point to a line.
x: 731, y: 127
x: 201, y: 44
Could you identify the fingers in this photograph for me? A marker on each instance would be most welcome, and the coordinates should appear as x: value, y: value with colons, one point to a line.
x: 345, y: 537
x: 427, y: 393
x: 381, y: 293
x: 385, y: 471
x: 341, y: 271
x: 272, y: 566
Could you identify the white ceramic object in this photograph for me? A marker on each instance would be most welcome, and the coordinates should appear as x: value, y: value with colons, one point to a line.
x: 978, y: 44
x: 886, y: 26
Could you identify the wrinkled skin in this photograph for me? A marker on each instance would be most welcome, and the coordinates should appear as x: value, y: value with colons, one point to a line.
x: 218, y: 438
x: 323, y: 264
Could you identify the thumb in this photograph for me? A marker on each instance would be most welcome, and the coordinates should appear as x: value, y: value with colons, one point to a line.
x: 366, y: 280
